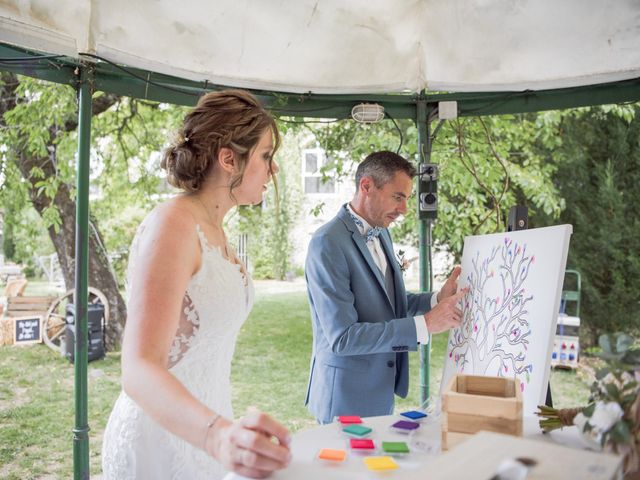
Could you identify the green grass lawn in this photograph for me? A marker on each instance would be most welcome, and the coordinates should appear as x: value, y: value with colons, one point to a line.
x: 270, y: 372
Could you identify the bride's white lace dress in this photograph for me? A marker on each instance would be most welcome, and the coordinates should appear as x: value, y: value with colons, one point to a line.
x: 216, y: 304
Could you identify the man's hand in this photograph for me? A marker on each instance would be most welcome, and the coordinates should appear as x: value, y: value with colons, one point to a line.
x: 451, y: 285
x: 445, y: 314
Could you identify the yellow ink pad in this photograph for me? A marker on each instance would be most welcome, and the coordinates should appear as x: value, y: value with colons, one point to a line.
x: 380, y: 463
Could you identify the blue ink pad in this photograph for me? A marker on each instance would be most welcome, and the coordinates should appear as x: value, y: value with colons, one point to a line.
x: 414, y: 415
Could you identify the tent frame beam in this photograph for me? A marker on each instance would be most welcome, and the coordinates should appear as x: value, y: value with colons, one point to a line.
x: 137, y: 83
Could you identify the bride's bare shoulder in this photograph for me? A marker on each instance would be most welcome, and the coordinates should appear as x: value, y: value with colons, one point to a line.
x: 175, y: 217
x: 178, y: 211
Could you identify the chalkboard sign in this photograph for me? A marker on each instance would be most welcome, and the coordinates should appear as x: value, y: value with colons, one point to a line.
x: 27, y: 330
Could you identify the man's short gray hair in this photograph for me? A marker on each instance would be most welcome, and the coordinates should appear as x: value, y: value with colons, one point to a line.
x: 382, y: 167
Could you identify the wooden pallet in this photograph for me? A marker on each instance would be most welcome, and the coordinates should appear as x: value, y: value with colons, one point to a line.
x: 27, y: 306
x: 19, y: 308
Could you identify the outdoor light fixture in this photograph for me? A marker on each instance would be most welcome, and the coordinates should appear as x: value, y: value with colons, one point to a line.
x: 367, y: 113
x: 448, y: 110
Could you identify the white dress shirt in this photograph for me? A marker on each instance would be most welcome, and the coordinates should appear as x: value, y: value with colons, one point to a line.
x: 380, y: 259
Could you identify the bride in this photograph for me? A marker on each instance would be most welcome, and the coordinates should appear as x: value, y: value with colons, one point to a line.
x: 188, y: 297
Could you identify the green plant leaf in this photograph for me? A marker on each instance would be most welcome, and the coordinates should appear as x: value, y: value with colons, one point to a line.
x: 620, y: 432
x: 632, y: 357
x: 605, y: 343
x: 602, y: 372
x: 623, y: 342
x: 588, y: 411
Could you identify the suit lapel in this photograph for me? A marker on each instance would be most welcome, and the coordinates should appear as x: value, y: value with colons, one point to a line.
x: 385, y: 241
x: 358, y: 239
x: 361, y: 245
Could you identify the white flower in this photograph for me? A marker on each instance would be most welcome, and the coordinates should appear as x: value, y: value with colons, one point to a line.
x: 591, y: 438
x: 627, y: 378
x: 611, y: 379
x: 605, y: 416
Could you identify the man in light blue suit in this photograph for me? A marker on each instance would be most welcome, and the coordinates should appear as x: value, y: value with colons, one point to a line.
x: 364, y: 322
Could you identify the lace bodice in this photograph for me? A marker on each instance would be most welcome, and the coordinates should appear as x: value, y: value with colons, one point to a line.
x: 216, y: 303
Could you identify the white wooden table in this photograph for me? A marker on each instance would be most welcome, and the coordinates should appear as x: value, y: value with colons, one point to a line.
x: 425, y: 445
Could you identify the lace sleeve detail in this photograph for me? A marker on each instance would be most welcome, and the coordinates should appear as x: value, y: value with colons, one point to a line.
x: 187, y: 330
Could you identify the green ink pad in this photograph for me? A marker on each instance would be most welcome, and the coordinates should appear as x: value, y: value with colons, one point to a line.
x: 357, y: 430
x: 395, y: 447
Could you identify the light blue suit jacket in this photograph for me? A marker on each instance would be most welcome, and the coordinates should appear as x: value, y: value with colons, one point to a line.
x: 360, y: 341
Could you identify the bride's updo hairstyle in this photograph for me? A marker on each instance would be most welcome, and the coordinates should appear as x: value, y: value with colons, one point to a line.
x: 229, y: 118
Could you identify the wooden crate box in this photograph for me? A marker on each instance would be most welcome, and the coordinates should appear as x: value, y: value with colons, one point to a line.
x: 472, y: 403
x: 18, y: 308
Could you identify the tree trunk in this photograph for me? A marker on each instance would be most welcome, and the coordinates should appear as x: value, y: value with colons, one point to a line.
x: 100, y: 273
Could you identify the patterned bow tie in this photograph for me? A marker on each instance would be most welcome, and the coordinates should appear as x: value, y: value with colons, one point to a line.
x: 374, y: 232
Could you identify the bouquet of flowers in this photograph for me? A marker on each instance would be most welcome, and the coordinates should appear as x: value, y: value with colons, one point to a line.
x: 611, y: 420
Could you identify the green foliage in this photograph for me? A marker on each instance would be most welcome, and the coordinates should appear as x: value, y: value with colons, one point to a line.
x: 269, y: 245
x: 126, y: 179
x: 486, y: 165
x: 269, y: 228
x: 617, y: 349
x: 8, y: 241
x: 125, y: 173
x: 597, y: 155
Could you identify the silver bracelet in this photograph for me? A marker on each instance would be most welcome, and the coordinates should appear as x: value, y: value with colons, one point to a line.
x: 211, y: 423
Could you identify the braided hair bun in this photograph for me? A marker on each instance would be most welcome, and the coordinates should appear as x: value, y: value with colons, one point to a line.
x: 232, y: 119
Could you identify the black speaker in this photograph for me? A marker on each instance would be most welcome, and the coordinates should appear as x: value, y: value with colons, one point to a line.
x: 428, y: 190
x: 95, y: 332
x: 518, y: 218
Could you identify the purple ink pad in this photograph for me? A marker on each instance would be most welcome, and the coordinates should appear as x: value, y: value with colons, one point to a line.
x: 405, y: 426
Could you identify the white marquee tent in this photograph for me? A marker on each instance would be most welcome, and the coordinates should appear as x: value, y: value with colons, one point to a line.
x: 318, y: 58
x: 338, y: 46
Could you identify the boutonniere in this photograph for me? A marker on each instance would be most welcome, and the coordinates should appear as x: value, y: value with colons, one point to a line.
x: 403, y: 262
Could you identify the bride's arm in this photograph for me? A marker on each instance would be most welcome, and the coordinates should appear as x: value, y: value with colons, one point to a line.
x: 169, y: 255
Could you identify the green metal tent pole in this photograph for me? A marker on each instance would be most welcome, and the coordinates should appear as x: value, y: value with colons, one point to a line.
x: 81, y: 430
x: 425, y: 244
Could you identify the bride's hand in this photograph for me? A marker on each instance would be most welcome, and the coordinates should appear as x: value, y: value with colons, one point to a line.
x: 246, y: 445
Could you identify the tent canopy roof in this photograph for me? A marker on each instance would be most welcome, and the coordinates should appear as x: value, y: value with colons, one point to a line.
x: 364, y: 48
x: 332, y: 46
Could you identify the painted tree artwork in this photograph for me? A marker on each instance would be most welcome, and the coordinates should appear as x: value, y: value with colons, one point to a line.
x: 511, y: 309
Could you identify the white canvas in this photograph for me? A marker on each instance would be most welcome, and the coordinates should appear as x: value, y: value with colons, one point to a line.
x: 511, y: 310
